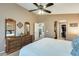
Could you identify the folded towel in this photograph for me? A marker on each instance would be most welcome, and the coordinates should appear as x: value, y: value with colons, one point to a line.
x: 75, y: 52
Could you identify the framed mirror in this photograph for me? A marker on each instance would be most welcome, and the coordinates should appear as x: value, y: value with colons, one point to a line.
x: 26, y: 28
x: 10, y: 27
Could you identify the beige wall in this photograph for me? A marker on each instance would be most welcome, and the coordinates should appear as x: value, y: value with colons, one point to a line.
x: 69, y: 18
x: 17, y: 13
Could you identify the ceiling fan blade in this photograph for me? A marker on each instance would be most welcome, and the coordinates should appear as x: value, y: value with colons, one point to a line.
x: 35, y: 4
x: 33, y: 10
x: 49, y: 4
x: 47, y: 11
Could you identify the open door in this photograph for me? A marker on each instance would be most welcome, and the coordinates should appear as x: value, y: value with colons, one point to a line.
x: 62, y: 30
x: 39, y: 31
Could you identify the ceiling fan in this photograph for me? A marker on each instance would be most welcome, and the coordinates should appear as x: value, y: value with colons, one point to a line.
x: 42, y: 7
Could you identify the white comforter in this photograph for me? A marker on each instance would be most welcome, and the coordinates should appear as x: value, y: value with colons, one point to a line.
x: 47, y: 47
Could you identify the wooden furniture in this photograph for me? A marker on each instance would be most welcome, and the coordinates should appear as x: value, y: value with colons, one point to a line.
x: 26, y: 39
x: 10, y: 27
x: 15, y: 43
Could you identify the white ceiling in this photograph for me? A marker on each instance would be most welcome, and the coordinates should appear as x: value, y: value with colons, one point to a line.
x: 57, y: 8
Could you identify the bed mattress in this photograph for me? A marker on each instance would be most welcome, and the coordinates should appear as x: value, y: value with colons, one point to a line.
x: 47, y: 47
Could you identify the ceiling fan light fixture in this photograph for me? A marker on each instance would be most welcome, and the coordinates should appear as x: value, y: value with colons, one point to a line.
x: 42, y: 9
x: 40, y: 12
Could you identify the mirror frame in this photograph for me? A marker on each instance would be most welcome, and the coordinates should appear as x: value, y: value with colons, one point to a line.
x: 6, y: 20
x: 28, y: 33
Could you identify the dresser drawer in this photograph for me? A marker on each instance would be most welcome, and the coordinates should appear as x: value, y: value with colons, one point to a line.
x: 15, y: 43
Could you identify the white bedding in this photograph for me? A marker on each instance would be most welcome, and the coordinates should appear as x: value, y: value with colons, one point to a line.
x: 47, y: 47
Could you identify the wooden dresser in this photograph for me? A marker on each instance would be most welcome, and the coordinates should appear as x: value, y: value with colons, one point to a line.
x: 26, y: 40
x: 15, y: 43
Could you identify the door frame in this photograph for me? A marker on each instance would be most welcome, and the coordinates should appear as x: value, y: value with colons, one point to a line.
x: 62, y: 23
x: 36, y: 33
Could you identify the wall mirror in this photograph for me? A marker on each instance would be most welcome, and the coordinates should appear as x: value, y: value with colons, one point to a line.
x: 10, y: 27
x: 26, y: 28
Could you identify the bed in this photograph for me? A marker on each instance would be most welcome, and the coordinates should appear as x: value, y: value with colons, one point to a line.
x: 47, y: 47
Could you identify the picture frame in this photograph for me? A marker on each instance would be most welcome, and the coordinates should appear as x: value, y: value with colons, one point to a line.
x: 73, y: 24
x: 19, y: 25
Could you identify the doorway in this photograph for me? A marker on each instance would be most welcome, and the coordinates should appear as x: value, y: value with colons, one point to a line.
x: 39, y: 31
x: 63, y: 30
